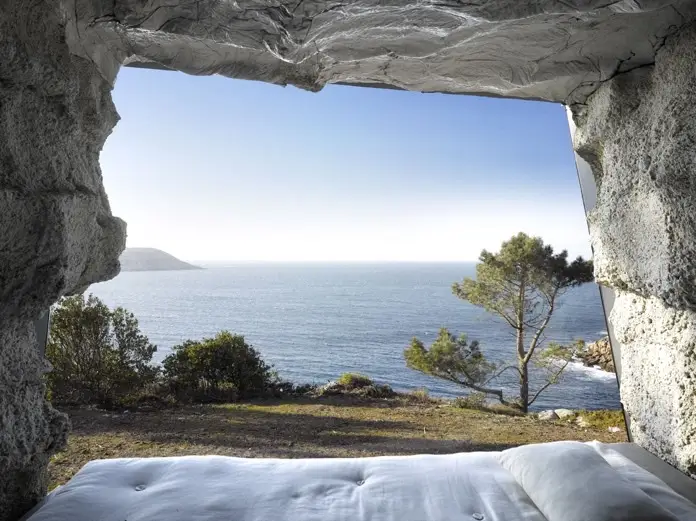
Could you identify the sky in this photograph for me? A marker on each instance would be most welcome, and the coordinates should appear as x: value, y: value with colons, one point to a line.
x: 215, y: 169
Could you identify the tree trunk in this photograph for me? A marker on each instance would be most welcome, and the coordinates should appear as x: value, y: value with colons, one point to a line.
x: 524, y: 386
x: 521, y: 363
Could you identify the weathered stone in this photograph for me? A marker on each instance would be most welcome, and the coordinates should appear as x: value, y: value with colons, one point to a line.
x: 547, y: 415
x: 564, y: 413
x: 598, y: 354
x: 57, y: 234
x: 638, y: 132
x: 658, y: 385
x: 546, y: 49
x: 31, y: 429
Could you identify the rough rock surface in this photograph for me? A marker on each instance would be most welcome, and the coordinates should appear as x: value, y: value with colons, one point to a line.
x: 548, y: 415
x: 658, y: 385
x: 57, y: 234
x: 545, y: 49
x: 598, y: 354
x: 564, y: 413
x: 638, y: 132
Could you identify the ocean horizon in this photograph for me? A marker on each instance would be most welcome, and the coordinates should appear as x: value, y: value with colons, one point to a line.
x: 316, y: 320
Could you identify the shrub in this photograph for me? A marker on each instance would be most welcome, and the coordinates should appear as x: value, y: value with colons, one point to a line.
x: 222, y: 368
x: 375, y: 391
x: 471, y: 401
x: 99, y: 356
x: 352, y: 381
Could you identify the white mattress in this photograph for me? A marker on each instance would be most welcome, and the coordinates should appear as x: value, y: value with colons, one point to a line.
x: 469, y: 486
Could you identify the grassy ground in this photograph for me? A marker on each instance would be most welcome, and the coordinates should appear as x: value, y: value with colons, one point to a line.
x: 309, y: 428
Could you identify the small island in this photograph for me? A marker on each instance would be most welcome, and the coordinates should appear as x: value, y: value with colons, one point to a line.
x: 151, y: 259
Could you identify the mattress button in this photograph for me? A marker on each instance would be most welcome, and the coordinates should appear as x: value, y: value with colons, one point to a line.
x: 361, y: 482
x: 140, y: 488
x: 477, y: 516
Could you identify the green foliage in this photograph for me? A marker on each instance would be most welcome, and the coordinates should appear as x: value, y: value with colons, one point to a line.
x: 454, y: 359
x: 99, y: 356
x: 553, y: 359
x: 354, y: 381
x: 524, y: 278
x: 521, y: 284
x: 222, y: 368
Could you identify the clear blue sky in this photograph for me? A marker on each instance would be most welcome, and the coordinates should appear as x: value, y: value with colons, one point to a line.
x: 209, y: 168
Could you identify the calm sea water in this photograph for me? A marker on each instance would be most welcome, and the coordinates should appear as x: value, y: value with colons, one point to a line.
x: 316, y: 321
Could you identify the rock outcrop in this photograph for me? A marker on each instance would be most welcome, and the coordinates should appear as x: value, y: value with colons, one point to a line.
x: 638, y: 132
x: 57, y: 234
x: 546, y: 49
x: 548, y: 415
x: 598, y: 354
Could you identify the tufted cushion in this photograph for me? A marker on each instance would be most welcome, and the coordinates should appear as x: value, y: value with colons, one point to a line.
x: 457, y: 487
x: 568, y: 481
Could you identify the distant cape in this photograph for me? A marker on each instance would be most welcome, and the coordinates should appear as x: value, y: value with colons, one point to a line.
x: 151, y: 259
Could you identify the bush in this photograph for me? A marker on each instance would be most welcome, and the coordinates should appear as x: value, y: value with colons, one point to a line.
x: 99, y: 356
x: 375, y: 391
x: 223, y: 368
x: 471, y: 401
x: 352, y: 381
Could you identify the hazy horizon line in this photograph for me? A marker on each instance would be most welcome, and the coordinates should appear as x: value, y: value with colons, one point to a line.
x: 328, y: 261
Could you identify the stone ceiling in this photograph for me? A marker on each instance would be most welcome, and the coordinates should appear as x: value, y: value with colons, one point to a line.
x: 555, y: 50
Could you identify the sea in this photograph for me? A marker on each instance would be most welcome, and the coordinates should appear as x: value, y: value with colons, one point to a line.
x: 315, y: 321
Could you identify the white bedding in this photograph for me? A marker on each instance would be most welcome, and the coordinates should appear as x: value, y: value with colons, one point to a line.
x: 469, y: 486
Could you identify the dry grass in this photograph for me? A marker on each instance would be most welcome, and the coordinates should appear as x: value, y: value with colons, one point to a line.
x: 325, y: 427
x: 601, y: 419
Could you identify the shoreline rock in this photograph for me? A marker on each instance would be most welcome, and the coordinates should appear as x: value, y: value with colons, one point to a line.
x: 598, y: 354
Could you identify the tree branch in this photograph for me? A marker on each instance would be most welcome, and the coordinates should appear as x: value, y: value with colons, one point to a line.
x: 501, y: 372
x: 479, y: 388
x: 536, y: 395
x: 552, y: 380
x: 540, y: 330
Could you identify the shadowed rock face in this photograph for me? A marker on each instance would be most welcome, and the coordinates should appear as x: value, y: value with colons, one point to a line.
x: 544, y: 49
x: 638, y: 132
x: 57, y: 234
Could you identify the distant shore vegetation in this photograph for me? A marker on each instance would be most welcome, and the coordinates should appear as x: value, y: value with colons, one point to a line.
x: 100, y: 356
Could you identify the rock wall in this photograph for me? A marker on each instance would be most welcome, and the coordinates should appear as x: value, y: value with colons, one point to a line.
x: 57, y: 234
x: 638, y: 132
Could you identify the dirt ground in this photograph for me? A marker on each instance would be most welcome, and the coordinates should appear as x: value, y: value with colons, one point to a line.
x: 307, y: 428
